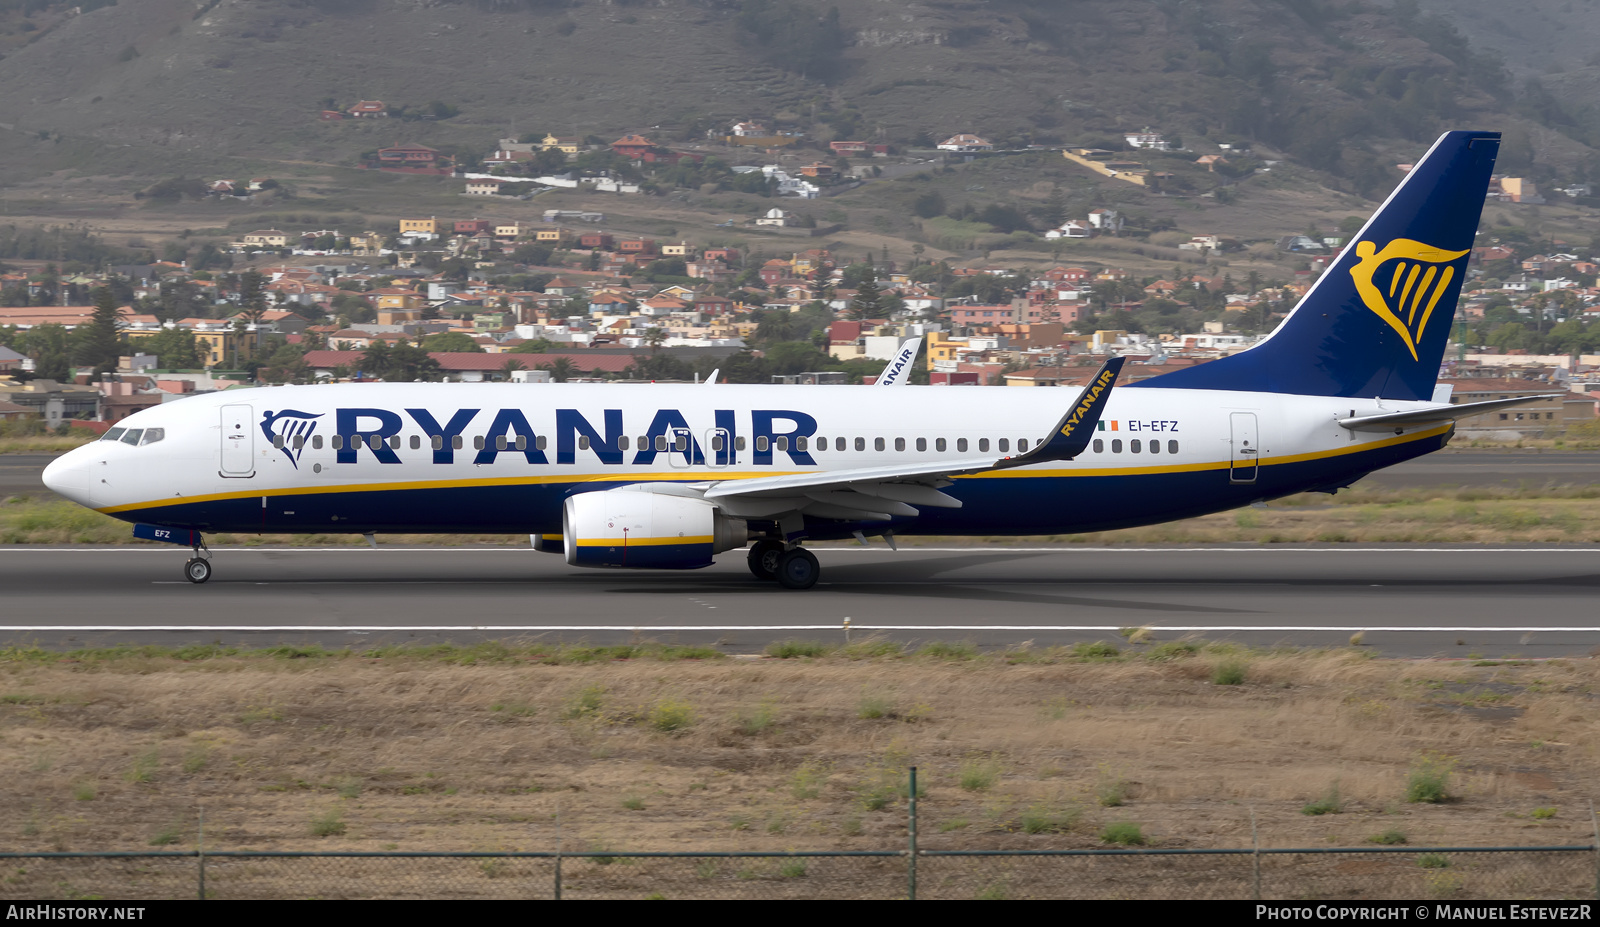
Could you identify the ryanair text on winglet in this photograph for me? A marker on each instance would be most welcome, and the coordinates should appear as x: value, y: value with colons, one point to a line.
x: 1101, y: 384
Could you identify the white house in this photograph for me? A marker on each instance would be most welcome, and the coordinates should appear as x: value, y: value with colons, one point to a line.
x: 1154, y: 141
x: 966, y: 142
x: 774, y: 217
x: 1072, y: 228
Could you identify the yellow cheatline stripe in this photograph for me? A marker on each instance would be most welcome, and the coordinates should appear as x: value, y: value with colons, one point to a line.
x: 719, y: 475
x: 1212, y: 465
x: 643, y: 542
x: 550, y: 537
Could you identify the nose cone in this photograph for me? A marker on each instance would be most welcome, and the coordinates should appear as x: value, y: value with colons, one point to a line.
x: 68, y: 475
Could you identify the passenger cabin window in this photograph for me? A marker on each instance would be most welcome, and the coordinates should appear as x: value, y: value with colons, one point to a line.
x: 1155, y: 447
x: 277, y: 441
x: 316, y: 442
x: 114, y: 434
x: 961, y: 445
x: 1004, y: 445
x: 738, y: 443
x: 661, y: 442
x: 337, y: 441
x: 838, y: 444
x: 499, y: 442
x: 761, y: 443
x: 583, y: 442
x: 622, y: 443
x: 133, y: 436
x: 877, y: 444
x: 1116, y: 445
x: 899, y: 444
x: 455, y: 442
x: 539, y: 442
x: 416, y: 442
x: 781, y: 442
x: 800, y: 443
x: 861, y: 444
x: 522, y: 442
x: 1099, y: 446
x: 394, y: 442
x: 1172, y: 447
x: 938, y: 444
x: 681, y: 443
x: 299, y: 440
x: 477, y: 443
x: 716, y: 443
x: 1133, y: 446
x: 438, y: 442
x: 922, y: 444
x: 983, y: 445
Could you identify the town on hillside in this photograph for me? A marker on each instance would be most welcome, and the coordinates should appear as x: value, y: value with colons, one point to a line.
x: 473, y: 297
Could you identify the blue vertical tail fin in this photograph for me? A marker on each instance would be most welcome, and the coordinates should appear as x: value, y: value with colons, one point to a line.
x: 1375, y: 323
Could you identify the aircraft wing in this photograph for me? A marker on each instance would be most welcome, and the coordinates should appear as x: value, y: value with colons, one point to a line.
x: 898, y: 370
x: 1442, y: 413
x: 879, y: 493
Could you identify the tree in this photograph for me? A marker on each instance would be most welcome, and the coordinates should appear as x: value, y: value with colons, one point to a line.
x: 452, y: 341
x: 252, y: 296
x: 561, y: 369
x: 866, y: 304
x: 99, y: 342
x: 534, y: 346
x: 174, y: 348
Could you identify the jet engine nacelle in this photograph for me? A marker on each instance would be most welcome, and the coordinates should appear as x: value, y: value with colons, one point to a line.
x: 639, y: 528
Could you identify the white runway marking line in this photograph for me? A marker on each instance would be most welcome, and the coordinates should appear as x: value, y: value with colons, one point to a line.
x: 1341, y: 629
x: 843, y: 550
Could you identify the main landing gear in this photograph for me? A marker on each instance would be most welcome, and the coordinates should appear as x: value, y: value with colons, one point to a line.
x: 198, y: 569
x: 793, y: 567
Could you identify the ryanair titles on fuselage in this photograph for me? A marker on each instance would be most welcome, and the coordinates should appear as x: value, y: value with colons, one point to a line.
x: 354, y: 429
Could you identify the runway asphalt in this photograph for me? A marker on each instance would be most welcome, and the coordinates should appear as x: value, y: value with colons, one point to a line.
x: 1457, y: 603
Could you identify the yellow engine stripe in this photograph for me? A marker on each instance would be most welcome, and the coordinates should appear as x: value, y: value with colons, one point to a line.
x: 644, y: 542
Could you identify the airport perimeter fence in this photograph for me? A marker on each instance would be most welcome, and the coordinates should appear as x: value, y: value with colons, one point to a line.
x: 1540, y: 873
x: 1554, y: 873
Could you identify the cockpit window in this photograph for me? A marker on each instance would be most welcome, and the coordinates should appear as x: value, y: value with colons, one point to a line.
x: 113, y: 434
x: 152, y: 435
x: 133, y: 436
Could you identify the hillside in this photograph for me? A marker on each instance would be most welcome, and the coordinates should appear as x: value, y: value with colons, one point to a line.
x: 1338, y: 84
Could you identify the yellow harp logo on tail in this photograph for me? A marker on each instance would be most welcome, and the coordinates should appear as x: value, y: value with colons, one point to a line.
x: 1403, y: 283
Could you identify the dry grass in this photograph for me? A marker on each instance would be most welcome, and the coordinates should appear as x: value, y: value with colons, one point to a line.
x: 479, y: 748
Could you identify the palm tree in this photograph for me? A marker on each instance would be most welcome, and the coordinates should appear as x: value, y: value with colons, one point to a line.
x: 560, y: 369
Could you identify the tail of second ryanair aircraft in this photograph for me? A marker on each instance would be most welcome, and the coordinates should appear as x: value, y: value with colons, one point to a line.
x: 1375, y: 323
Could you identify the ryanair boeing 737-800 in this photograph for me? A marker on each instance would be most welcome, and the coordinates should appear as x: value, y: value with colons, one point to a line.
x: 667, y: 476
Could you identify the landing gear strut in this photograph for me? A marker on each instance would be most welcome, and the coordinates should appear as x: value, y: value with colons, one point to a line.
x: 198, y: 569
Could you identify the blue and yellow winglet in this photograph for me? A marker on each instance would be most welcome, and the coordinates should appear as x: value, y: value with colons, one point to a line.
x: 1073, y: 433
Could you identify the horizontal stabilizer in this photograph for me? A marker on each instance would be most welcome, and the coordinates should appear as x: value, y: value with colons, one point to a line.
x: 1389, y: 420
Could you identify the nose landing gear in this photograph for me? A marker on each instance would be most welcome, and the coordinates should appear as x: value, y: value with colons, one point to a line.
x: 197, y: 570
